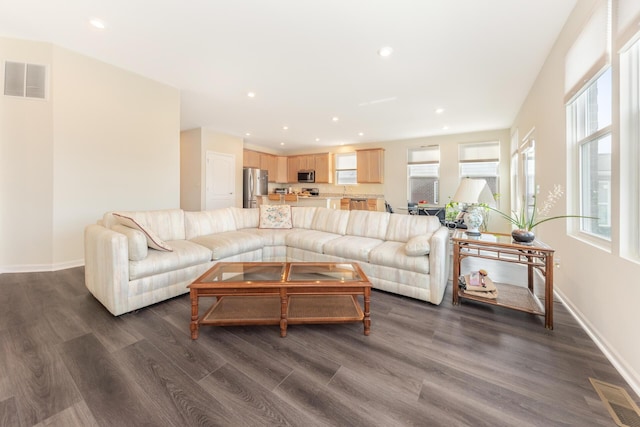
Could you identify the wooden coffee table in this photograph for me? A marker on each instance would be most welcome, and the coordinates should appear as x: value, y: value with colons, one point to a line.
x: 281, y: 293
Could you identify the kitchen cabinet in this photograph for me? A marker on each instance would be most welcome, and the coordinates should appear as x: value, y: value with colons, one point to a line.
x: 344, y: 204
x: 370, y: 166
x: 324, y: 168
x: 269, y: 162
x: 281, y: 169
x: 293, y: 166
x: 250, y: 159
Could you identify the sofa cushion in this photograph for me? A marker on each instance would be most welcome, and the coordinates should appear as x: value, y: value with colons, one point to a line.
x: 185, y: 254
x: 275, y: 216
x: 403, y: 227
x: 368, y: 224
x: 418, y: 245
x: 330, y: 220
x: 153, y: 241
x: 229, y: 243
x: 167, y: 224
x: 209, y: 222
x: 310, y: 240
x: 245, y: 218
x: 351, y: 247
x: 393, y: 254
x: 270, y: 236
x: 136, y: 241
x: 302, y: 216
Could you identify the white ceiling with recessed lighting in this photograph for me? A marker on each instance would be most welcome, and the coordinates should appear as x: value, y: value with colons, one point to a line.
x: 314, y: 66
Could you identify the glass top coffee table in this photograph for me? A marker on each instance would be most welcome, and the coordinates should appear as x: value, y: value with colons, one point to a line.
x: 281, y: 293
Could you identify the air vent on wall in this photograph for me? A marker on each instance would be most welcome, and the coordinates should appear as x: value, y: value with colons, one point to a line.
x: 25, y: 80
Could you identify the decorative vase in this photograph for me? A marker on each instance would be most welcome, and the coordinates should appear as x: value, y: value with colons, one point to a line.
x: 523, y: 236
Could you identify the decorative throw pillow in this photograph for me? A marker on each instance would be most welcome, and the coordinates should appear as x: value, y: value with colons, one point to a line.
x: 275, y: 216
x: 418, y: 245
x: 153, y: 241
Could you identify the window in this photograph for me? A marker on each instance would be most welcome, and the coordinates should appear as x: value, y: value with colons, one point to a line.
x: 346, y: 171
x: 589, y: 128
x: 423, y: 171
x: 630, y: 149
x: 480, y: 160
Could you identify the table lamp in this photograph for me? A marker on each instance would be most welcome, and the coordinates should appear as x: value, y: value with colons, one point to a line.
x: 470, y: 192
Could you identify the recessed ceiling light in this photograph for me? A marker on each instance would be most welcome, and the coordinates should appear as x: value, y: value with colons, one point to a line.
x: 247, y: 134
x: 439, y: 110
x: 285, y: 127
x: 335, y: 119
x: 445, y: 127
x: 385, y: 51
x: 251, y: 94
x: 97, y: 23
x: 282, y: 143
x: 317, y: 139
x: 360, y: 133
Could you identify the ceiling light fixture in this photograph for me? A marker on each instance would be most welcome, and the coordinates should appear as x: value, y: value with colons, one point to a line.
x: 335, y: 119
x: 247, y: 134
x: 439, y: 110
x: 317, y: 139
x: 97, y: 23
x: 282, y: 143
x: 445, y: 127
x: 385, y: 51
x: 251, y: 94
x: 360, y: 133
x: 285, y: 127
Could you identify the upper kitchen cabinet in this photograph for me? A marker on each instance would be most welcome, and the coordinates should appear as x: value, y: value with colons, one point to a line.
x: 250, y: 159
x: 282, y: 170
x: 370, y: 166
x: 269, y: 162
x: 323, y: 167
x: 293, y: 166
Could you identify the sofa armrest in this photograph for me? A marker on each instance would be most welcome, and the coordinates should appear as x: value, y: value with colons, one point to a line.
x: 439, y: 265
x: 106, y: 267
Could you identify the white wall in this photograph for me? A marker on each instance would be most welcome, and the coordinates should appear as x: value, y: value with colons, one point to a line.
x: 106, y: 139
x: 598, y: 285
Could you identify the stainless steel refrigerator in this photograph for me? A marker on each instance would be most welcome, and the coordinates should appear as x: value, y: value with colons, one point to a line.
x: 255, y: 184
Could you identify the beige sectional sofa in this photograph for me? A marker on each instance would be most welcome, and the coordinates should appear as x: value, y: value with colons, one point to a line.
x: 134, y: 259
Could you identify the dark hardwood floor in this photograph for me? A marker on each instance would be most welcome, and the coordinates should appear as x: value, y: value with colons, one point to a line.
x: 66, y: 361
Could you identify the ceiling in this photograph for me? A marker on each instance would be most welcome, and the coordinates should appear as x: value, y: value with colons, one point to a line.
x: 308, y: 61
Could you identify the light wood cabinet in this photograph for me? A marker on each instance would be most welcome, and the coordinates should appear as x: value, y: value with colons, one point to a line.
x: 344, y: 204
x: 281, y: 169
x: 269, y: 162
x: 324, y: 168
x: 250, y: 159
x: 370, y: 167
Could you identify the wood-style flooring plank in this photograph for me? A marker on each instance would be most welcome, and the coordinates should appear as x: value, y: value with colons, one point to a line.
x: 76, y: 415
x: 112, y: 395
x: 9, y: 413
x: 177, y: 399
x: 258, y: 405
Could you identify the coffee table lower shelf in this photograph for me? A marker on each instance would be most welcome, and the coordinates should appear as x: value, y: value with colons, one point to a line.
x: 265, y: 310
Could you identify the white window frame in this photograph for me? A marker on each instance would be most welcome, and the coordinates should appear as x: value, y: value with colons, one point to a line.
x: 576, y: 111
x: 424, y: 162
x: 630, y: 149
x: 346, y: 162
x: 480, y: 155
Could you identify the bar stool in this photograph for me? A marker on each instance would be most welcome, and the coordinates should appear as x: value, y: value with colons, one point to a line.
x: 275, y: 197
x: 291, y: 199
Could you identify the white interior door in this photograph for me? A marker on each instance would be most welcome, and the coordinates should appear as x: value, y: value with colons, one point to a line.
x: 220, y: 180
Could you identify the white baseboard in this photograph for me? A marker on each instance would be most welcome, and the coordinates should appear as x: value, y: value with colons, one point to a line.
x: 630, y: 376
x: 36, y: 268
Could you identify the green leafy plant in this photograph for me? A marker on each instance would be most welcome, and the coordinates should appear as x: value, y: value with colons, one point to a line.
x: 538, y: 216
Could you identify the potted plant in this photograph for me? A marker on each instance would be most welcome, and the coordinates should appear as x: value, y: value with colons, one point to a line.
x: 523, y: 233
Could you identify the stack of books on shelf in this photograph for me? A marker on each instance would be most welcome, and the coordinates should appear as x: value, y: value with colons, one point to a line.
x: 478, y: 283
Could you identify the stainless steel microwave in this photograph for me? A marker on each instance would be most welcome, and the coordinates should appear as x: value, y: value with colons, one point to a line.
x: 307, y: 176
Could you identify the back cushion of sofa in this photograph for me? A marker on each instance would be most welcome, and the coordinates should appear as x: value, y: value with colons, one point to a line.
x: 209, y: 222
x: 166, y: 224
x: 368, y: 224
x: 246, y: 218
x: 330, y: 220
x: 302, y: 216
x: 403, y: 227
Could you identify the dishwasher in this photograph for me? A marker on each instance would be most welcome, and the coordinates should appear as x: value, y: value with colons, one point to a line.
x: 358, y: 205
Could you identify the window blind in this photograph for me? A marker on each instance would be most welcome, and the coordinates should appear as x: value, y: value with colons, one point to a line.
x: 430, y: 154
x: 590, y: 53
x: 627, y: 22
x: 479, y: 152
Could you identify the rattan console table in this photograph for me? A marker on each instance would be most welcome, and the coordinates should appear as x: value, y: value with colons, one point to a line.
x: 496, y: 246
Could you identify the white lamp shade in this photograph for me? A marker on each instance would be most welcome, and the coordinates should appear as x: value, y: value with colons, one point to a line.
x: 469, y: 190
